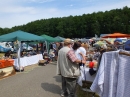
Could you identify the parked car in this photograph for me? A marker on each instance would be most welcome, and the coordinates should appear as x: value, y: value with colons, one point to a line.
x: 2, y: 49
x: 5, y: 46
x: 26, y: 47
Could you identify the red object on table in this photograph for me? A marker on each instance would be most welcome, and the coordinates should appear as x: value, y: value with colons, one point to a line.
x: 6, y: 63
x: 9, y: 62
x: 91, y: 64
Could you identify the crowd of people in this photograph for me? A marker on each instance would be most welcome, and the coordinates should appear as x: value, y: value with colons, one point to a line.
x: 75, y: 54
x: 70, y: 55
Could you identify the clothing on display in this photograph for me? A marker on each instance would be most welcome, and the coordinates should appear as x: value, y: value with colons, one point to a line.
x: 112, y: 78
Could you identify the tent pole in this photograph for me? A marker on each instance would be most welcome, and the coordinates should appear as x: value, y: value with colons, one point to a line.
x: 18, y: 54
x: 46, y: 46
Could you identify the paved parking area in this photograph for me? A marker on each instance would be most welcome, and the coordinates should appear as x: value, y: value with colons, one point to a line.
x: 35, y: 81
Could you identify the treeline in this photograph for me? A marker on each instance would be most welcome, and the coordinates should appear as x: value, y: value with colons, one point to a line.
x: 87, y: 25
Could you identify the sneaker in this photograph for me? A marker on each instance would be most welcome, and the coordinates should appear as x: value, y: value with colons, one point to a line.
x: 62, y: 95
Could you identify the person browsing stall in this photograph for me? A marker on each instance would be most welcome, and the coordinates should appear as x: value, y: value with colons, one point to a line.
x: 68, y: 68
x: 79, y: 54
x: 117, y: 44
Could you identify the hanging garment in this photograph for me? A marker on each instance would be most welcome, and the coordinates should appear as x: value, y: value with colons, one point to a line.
x: 106, y: 78
x: 113, y: 78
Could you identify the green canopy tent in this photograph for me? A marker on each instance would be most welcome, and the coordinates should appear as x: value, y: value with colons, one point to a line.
x: 49, y: 40
x: 61, y: 38
x: 20, y: 36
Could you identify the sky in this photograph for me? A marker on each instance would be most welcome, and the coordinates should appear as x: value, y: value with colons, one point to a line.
x: 20, y: 12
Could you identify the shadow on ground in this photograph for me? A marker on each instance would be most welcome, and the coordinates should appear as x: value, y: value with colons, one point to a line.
x: 51, y: 88
x: 57, y: 78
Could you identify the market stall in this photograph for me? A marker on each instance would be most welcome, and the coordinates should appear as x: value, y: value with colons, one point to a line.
x: 26, y: 61
x: 20, y: 36
x: 48, y: 40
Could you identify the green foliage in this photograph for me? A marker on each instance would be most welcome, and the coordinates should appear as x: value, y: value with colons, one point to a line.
x: 87, y: 25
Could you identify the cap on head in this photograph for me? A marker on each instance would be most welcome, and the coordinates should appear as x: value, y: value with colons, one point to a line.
x: 68, y: 41
x: 118, y: 40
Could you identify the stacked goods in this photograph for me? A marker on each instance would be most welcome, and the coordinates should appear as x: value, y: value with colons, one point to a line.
x: 6, y: 68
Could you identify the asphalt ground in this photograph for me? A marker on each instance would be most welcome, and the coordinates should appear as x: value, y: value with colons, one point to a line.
x: 35, y: 81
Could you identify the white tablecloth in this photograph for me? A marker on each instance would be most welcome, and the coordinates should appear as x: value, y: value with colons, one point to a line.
x: 25, y: 61
x: 85, y: 75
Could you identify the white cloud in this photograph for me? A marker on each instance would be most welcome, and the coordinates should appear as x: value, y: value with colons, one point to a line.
x: 39, y: 1
x: 15, y: 13
x: 17, y: 9
x: 71, y: 5
x: 24, y: 17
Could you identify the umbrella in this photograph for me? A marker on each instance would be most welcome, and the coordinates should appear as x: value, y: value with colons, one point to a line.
x: 116, y: 35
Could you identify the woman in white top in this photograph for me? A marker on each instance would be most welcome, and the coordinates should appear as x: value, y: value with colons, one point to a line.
x: 78, y: 53
x: 83, y: 49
